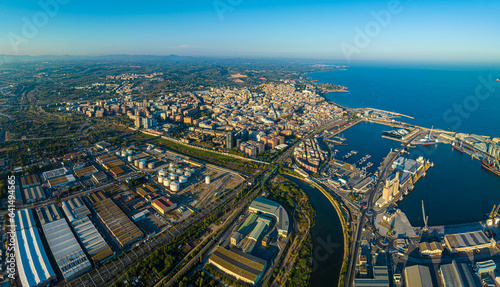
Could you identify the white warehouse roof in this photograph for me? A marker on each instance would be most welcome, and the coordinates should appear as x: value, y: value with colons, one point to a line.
x: 32, y: 261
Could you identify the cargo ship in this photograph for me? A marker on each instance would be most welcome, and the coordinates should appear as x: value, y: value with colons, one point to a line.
x: 428, y: 140
x: 491, y: 167
x: 459, y: 148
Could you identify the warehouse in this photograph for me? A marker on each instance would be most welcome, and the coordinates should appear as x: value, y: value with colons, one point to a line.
x: 268, y: 207
x: 116, y: 171
x: 163, y: 205
x: 54, y: 173
x: 33, y: 265
x: 94, y: 243
x: 33, y: 194
x: 430, y: 248
x: 85, y: 171
x: 105, y: 158
x: 62, y: 180
x: 121, y: 227
x: 67, y: 252
x: 417, y: 276
x: 380, y: 278
x: 456, y: 274
x: 485, y: 267
x: 99, y: 177
x: 240, y: 265
x: 468, y: 241
x: 30, y: 180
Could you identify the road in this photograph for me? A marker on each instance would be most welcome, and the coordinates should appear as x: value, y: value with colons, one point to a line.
x: 385, y: 172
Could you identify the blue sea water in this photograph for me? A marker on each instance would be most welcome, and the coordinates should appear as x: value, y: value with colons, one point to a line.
x: 432, y: 95
x: 457, y: 190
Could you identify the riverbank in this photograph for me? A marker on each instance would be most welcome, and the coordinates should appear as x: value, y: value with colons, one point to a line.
x: 345, y: 226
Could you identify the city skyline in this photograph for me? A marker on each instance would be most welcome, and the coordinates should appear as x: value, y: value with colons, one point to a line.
x: 366, y: 31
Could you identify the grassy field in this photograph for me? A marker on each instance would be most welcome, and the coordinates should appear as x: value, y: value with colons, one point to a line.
x: 211, y: 157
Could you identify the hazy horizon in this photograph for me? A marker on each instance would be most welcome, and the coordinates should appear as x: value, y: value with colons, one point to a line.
x: 397, y: 31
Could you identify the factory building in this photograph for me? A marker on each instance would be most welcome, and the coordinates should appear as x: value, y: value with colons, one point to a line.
x: 268, y: 207
x: 77, y: 213
x: 380, y: 278
x: 67, y: 252
x: 485, y: 267
x: 163, y: 205
x: 33, y: 265
x: 121, y: 227
x: 85, y: 171
x: 54, y: 173
x: 430, y: 248
x: 456, y: 275
x: 33, y: 194
x: 467, y: 242
x: 30, y: 180
x: 391, y: 189
x: 417, y: 276
x: 239, y: 265
x: 61, y: 180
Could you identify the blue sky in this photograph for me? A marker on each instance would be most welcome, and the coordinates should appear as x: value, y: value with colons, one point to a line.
x: 423, y: 30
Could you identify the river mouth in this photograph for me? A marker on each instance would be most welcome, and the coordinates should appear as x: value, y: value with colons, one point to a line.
x: 327, y: 238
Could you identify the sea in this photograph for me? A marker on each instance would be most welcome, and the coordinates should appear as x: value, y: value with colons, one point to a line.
x: 456, y: 98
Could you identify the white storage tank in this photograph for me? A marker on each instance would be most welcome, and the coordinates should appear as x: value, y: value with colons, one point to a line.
x: 173, y: 176
x: 151, y: 165
x: 171, y: 169
x: 172, y: 165
x: 136, y: 163
x: 187, y: 173
x: 142, y: 164
x: 162, y: 172
x: 183, y: 179
x: 117, y: 153
x: 160, y: 179
x: 130, y: 152
x: 208, y: 180
x: 124, y: 153
x: 179, y: 171
x: 129, y: 158
x: 166, y: 182
x: 174, y: 186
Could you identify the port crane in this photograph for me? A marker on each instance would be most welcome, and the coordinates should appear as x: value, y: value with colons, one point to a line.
x: 426, y: 218
x: 493, y: 211
x: 496, y: 211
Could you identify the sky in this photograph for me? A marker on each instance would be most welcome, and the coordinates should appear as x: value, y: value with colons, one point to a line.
x: 419, y: 30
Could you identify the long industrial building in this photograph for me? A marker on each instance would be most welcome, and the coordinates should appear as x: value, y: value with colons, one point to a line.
x: 240, y: 265
x: 468, y: 241
x: 68, y: 253
x: 122, y: 228
x: 77, y: 213
x: 33, y: 265
x: 268, y: 207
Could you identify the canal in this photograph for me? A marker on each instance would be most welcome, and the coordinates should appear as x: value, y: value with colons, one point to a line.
x: 327, y: 238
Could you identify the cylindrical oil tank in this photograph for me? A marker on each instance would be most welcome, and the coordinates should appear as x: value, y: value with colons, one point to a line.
x: 136, y: 163
x: 162, y: 172
x: 142, y: 164
x: 187, y: 173
x: 129, y: 158
x: 130, y: 152
x: 166, y: 182
x: 124, y: 153
x: 160, y: 179
x: 173, y: 176
x: 174, y: 186
x: 183, y: 179
x: 117, y: 153
x: 151, y: 165
x: 208, y: 180
x: 179, y: 171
